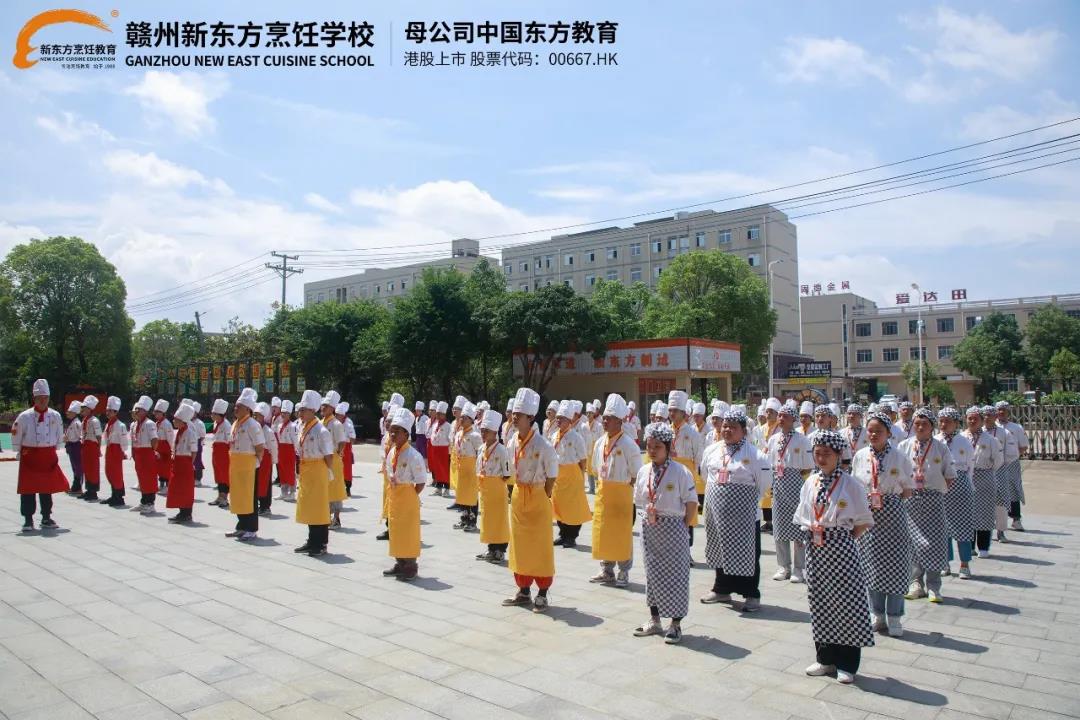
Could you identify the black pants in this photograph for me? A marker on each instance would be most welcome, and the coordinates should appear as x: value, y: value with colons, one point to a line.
x: 250, y: 522
x: 569, y: 532
x: 318, y: 536
x: 223, y: 488
x: 498, y: 547
x: 767, y: 514
x: 264, y: 501
x: 701, y: 507
x: 844, y: 657
x: 654, y: 610
x: 745, y: 585
x: 163, y: 481
x: 147, y: 498
x: 348, y: 488
x: 1014, y: 510
x: 469, y: 513
x: 28, y: 505
x: 982, y: 539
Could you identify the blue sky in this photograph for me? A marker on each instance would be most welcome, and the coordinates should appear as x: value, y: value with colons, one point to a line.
x: 178, y: 174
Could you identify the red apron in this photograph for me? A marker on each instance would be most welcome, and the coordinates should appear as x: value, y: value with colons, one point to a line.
x: 181, y: 493
x: 39, y: 471
x: 114, y: 466
x: 146, y: 469
x: 287, y: 464
x: 439, y: 462
x: 220, y: 459
x: 91, y: 462
x: 265, y: 467
x: 164, y: 459
x: 347, y: 461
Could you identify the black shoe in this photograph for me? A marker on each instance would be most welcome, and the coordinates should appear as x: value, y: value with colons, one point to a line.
x: 48, y: 524
x: 461, y: 525
x: 234, y: 533
x: 569, y: 544
x: 394, y: 571
x: 559, y: 541
x: 264, y: 513
x: 455, y: 506
x: 384, y: 535
x: 89, y: 496
x: 176, y: 519
x: 316, y: 552
x: 303, y: 548
x: 28, y: 526
x: 116, y: 502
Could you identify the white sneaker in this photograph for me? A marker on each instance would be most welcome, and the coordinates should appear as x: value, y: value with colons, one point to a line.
x: 653, y: 627
x: 1001, y: 537
x: 247, y: 536
x: 984, y: 553
x: 843, y: 676
x: 965, y: 573
x: 797, y: 576
x: 712, y: 598
x: 604, y: 578
x: 896, y: 627
x: 879, y: 624
x: 934, y: 596
x: 817, y: 670
x: 947, y: 572
x: 915, y: 592
x: 622, y: 579
x: 1017, y: 525
x: 781, y: 574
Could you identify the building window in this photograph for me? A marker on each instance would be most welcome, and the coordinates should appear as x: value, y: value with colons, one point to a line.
x: 754, y: 259
x: 945, y: 325
x: 590, y: 280
x: 889, y: 328
x: 971, y: 321
x: 724, y: 237
x: 612, y: 275
x: 672, y: 242
x: 403, y: 285
x: 548, y: 261
x: 912, y: 327
x: 524, y: 287
x: 699, y: 240
x: 890, y: 355
x: 339, y: 294
x: 508, y: 268
x: 568, y: 260
x: 635, y: 275
x: 657, y: 246
x: 657, y: 270
x: 548, y: 283
x: 1009, y: 385
x: 613, y: 253
x: 753, y: 233
x: 322, y: 296
x: 635, y: 249
x: 684, y: 242
x: 590, y: 256
x: 568, y: 282
x: 390, y: 287
x: 862, y: 329
x: 523, y: 266
x: 864, y: 356
x: 536, y: 264
x: 915, y: 352
x: 378, y: 289
x: 944, y: 352
x: 1073, y: 313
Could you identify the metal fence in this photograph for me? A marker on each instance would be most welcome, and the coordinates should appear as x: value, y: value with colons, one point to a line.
x: 1053, y: 430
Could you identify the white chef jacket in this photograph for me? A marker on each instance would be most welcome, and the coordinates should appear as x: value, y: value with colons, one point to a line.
x: 687, y: 443
x: 350, y: 429
x: 748, y: 466
x: 440, y: 433
x: 116, y: 434
x: 712, y: 437
x: 246, y: 436
x: 72, y: 431
x: 798, y: 453
x: 468, y: 443
x: 1009, y: 445
x: 570, y: 447
x: 31, y: 433
x: 338, y: 433
x: 962, y: 451
x: 144, y: 434
x: 900, y: 433
x: 317, y: 442
x: 989, y: 454
x: 675, y: 488
x: 894, y: 476
x: 623, y: 459
x: 845, y: 508
x: 535, y: 461
x: 494, y: 461
x: 187, y: 442
x: 422, y: 424
x: 410, y: 466
x: 222, y: 431
x: 198, y: 427
x: 856, y: 437
x: 270, y: 442
x: 1017, y: 431
x: 937, y: 467
x: 92, y: 429
x: 287, y: 434
x: 164, y: 431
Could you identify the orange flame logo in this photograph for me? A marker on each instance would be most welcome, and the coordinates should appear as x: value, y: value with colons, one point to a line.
x: 49, y: 17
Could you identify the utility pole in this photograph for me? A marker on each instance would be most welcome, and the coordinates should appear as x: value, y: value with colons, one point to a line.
x: 198, y: 325
x: 284, y: 270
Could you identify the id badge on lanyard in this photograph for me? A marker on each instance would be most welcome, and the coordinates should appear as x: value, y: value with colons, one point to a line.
x: 818, y: 536
x: 875, y: 500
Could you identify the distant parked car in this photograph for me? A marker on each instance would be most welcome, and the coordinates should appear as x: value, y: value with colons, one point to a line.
x: 888, y: 399
x: 1029, y: 397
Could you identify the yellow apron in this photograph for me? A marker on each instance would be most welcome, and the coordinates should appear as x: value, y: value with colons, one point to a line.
x: 454, y: 459
x: 467, y: 489
x: 313, y: 496
x: 766, y: 502
x: 531, y: 551
x: 568, y: 498
x: 385, y: 486
x: 613, y: 522
x: 699, y: 482
x: 403, y: 517
x: 494, y: 511
x: 241, y: 483
x: 337, y: 491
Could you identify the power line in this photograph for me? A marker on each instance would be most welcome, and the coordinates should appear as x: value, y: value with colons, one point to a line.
x: 136, y: 301
x: 284, y: 270
x: 199, y: 297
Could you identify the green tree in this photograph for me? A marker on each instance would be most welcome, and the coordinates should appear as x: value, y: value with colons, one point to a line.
x: 714, y: 295
x: 485, y: 292
x: 237, y: 340
x: 992, y: 349
x: 163, y: 344
x: 621, y: 309
x: 1065, y: 368
x: 1048, y: 331
x: 543, y: 325
x: 935, y: 387
x: 63, y: 308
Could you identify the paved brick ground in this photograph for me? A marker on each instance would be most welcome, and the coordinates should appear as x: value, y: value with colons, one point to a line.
x: 121, y: 616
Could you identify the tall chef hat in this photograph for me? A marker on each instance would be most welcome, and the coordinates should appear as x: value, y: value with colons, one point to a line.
x: 565, y: 409
x: 342, y: 408
x: 402, y: 418
x: 468, y: 410
x: 772, y: 404
x: 332, y: 398
x: 74, y: 406
x: 41, y: 388
x: 287, y: 406
x: 526, y: 401
x: 661, y: 409
x: 553, y: 406
x: 184, y: 413
x: 91, y: 402
x: 459, y: 402
x: 310, y: 400
x: 144, y: 403
x: 248, y: 398
x: 510, y: 405
x: 631, y: 406
x: 834, y: 409
x: 699, y: 408
x: 616, y: 406
x: 197, y: 405
x: 275, y: 402
x: 676, y: 400
x: 113, y: 403
x: 807, y: 408
x: 442, y: 407
x: 395, y: 399
x: 385, y: 405
x: 419, y: 406
x: 263, y: 409
x: 492, y: 421
x: 221, y: 406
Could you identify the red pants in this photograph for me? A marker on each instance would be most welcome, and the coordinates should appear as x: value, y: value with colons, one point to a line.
x: 526, y: 581
x: 439, y: 463
x: 114, y: 466
x: 220, y: 459
x: 181, y: 492
x: 146, y: 469
x: 286, y: 468
x: 91, y: 462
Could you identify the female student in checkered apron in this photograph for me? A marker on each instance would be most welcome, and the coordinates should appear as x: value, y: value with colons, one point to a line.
x: 934, y: 475
x: 986, y: 458
x: 886, y: 475
x: 666, y: 498
x: 960, y: 500
x: 833, y: 513
x: 791, y: 459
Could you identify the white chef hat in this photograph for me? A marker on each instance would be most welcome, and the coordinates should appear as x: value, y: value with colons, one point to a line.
x: 90, y: 402
x: 616, y: 406
x: 402, y: 418
x: 41, y: 388
x: 385, y: 405
x: 221, y: 406
x: 433, y: 405
x: 419, y: 406
x: 483, y: 405
x: 526, y: 401
x: 576, y: 407
x: 661, y: 409
x: 630, y: 406
x: 699, y: 409
x: 689, y: 406
x: 807, y: 408
x: 275, y: 402
x: 872, y: 408
x: 892, y: 406
x: 184, y: 413
x: 677, y: 399
x: 160, y: 406
x: 144, y: 403
x: 185, y: 401
x: 566, y: 409
x: 395, y: 399
x: 310, y: 400
x: 492, y: 421
x: 772, y: 404
x: 248, y: 398
x: 332, y: 398
x: 263, y: 409
x: 442, y: 407
x: 196, y: 405
x: 342, y: 408
x: 553, y: 406
x: 835, y: 409
x: 74, y: 406
x: 597, y: 404
x: 459, y: 402
x: 468, y: 410
x: 113, y: 403
x: 722, y: 407
x: 287, y: 406
x: 588, y: 407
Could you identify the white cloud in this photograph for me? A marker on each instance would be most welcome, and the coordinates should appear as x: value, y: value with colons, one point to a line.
x: 816, y: 59
x: 318, y: 202
x: 999, y: 120
x: 179, y: 98
x: 70, y: 128
x: 981, y: 43
x: 156, y: 172
x: 578, y: 194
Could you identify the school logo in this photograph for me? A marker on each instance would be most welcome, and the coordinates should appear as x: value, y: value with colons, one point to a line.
x: 83, y: 52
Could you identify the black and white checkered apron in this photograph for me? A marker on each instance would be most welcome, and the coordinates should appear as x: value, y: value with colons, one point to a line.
x: 960, y: 508
x: 886, y: 548
x: 836, y: 589
x: 982, y: 479
x: 785, y: 500
x: 1003, y: 486
x: 730, y: 526
x: 926, y: 524
x: 1016, y: 483
x: 667, y: 565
